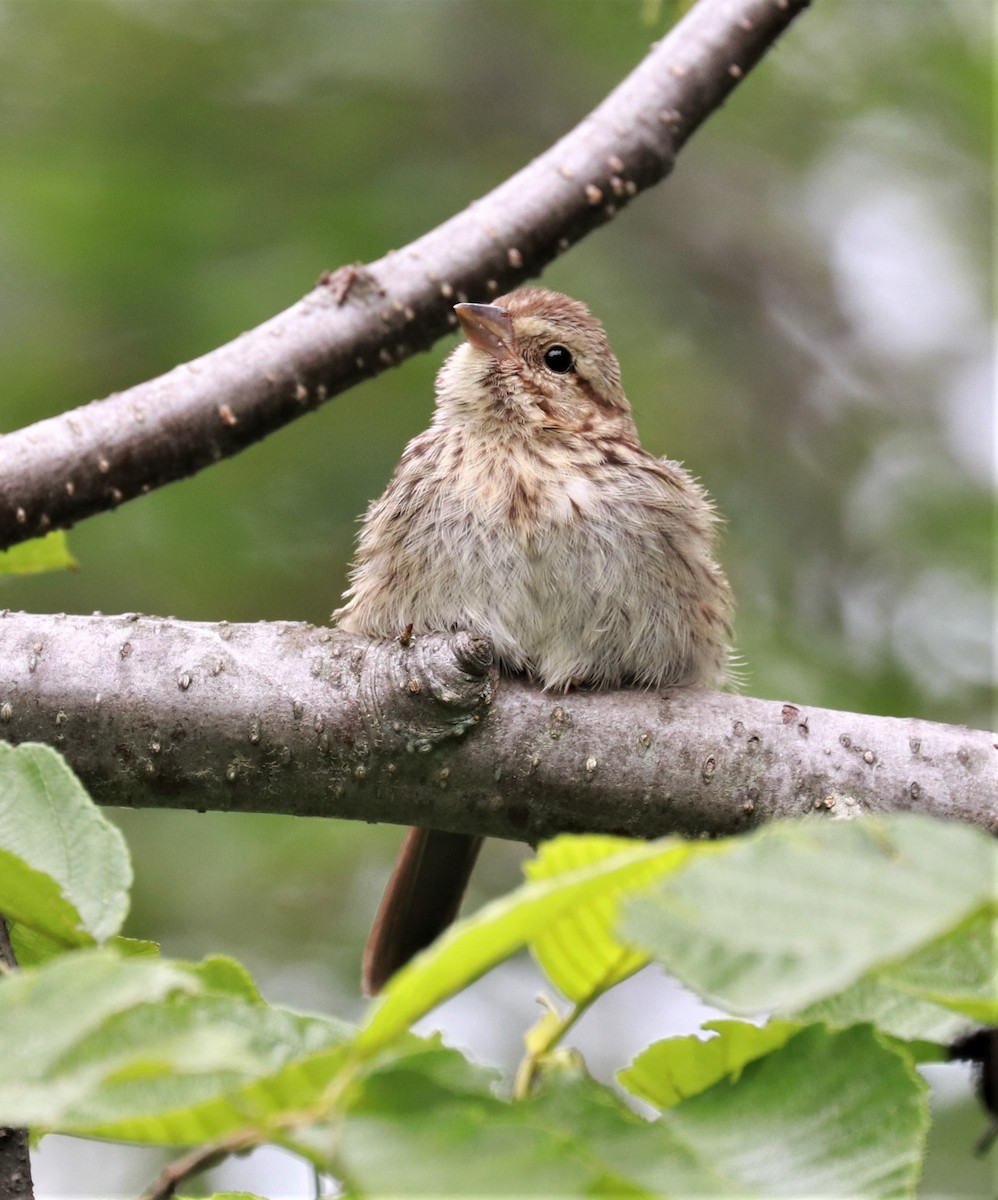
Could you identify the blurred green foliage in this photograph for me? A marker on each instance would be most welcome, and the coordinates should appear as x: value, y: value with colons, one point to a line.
x: 801, y: 312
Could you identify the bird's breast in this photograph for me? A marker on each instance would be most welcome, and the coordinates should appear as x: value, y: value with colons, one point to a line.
x: 528, y: 490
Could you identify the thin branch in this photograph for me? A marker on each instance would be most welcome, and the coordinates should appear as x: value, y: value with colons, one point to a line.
x: 361, y: 320
x: 195, y: 1162
x: 288, y: 718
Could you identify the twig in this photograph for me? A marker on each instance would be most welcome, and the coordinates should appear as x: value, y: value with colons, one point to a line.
x: 202, y: 1158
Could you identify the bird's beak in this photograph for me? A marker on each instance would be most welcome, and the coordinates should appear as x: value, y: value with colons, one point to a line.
x: 488, y: 327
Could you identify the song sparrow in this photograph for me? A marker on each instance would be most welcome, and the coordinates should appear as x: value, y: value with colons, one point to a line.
x: 528, y: 512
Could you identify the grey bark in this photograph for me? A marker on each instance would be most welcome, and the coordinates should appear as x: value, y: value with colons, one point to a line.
x: 362, y: 319
x: 15, y: 1165
x: 288, y: 718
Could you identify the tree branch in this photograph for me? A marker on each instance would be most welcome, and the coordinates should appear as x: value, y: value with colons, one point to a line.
x: 288, y: 718
x: 360, y: 320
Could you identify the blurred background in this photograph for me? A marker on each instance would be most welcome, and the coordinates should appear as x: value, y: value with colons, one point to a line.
x: 802, y: 314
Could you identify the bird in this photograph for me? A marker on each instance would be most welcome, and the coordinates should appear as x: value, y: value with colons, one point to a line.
x: 529, y: 513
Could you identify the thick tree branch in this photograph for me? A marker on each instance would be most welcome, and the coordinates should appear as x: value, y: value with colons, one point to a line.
x: 293, y: 719
x: 360, y: 320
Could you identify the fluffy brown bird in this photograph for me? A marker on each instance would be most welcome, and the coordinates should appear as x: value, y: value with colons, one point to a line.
x: 529, y: 513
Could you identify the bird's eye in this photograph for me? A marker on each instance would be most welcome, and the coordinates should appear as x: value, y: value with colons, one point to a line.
x: 559, y: 359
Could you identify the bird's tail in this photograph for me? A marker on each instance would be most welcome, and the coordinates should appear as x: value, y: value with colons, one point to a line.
x: 420, y: 901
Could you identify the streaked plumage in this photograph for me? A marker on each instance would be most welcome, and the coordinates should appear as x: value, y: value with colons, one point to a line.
x: 529, y: 512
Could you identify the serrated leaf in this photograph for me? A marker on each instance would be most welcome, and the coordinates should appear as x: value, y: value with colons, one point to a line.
x: 958, y: 971
x: 52, y: 827
x: 34, y: 899
x: 938, y: 993
x: 579, y: 951
x: 474, y: 945
x: 47, y: 1011
x: 980, y: 1011
x: 48, y: 553
x: 848, y: 1114
x: 200, y: 1068
x: 676, y: 1068
x: 429, y: 1124
x: 801, y: 910
x: 219, y: 973
x: 136, y: 1049
x: 228, y: 1196
x: 129, y: 947
x: 827, y: 1114
x: 872, y: 999
x: 32, y: 948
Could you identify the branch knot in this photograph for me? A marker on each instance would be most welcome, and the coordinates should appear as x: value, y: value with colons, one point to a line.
x: 454, y: 671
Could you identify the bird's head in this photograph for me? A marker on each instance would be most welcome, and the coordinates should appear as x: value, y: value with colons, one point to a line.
x: 537, y: 359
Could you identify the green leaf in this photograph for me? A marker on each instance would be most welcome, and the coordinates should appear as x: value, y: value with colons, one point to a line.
x: 579, y: 952
x: 138, y: 1049
x: 32, y: 948
x: 51, y: 827
x: 46, y: 1012
x: 873, y: 999
x: 827, y: 1114
x: 472, y: 946
x: 129, y: 947
x: 429, y: 1124
x: 229, y: 1196
x: 48, y: 553
x: 36, y: 899
x: 201, y: 1067
x: 937, y: 993
x: 958, y: 971
x: 219, y: 973
x: 801, y: 910
x: 673, y: 1069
